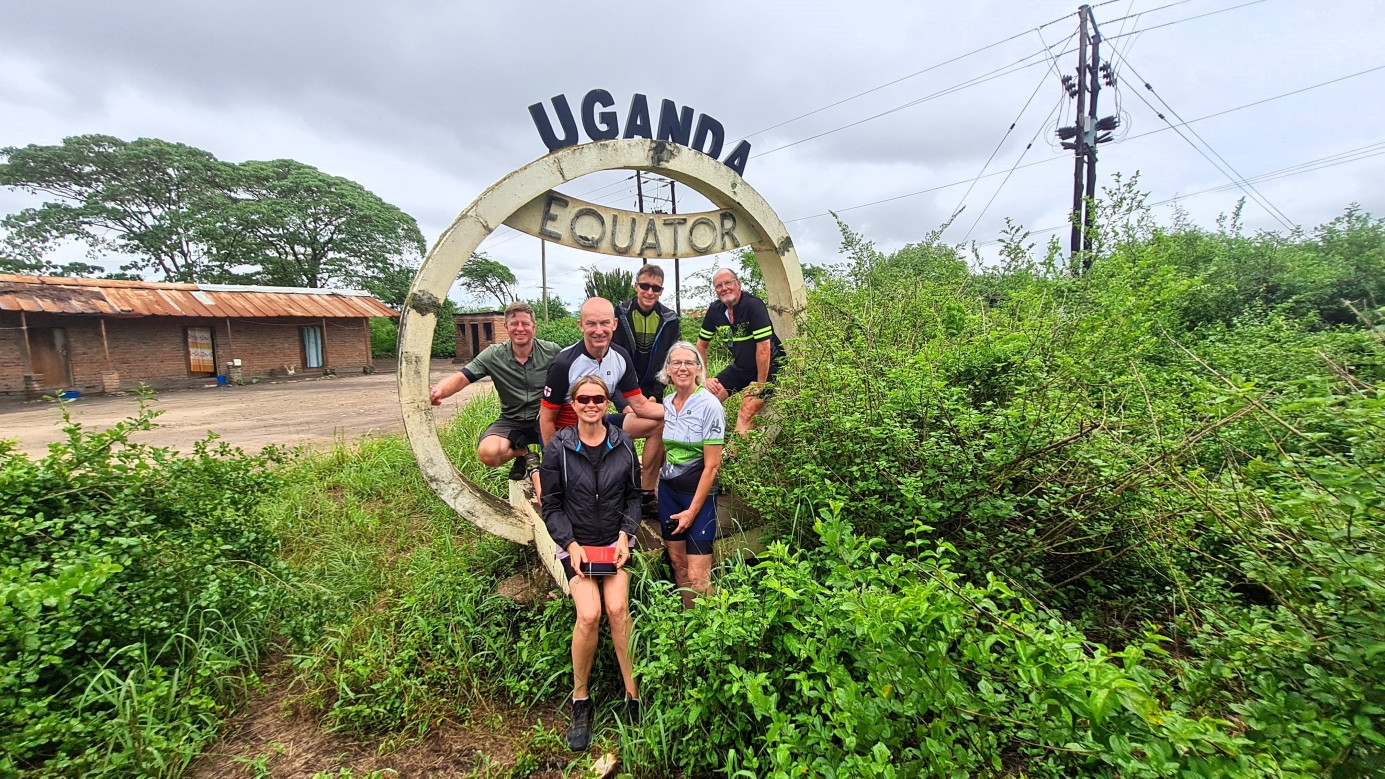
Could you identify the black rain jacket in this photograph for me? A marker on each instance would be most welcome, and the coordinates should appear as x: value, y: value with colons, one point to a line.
x: 668, y: 334
x: 586, y: 503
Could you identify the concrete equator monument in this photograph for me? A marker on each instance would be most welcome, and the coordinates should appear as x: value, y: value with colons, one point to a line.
x: 721, y: 185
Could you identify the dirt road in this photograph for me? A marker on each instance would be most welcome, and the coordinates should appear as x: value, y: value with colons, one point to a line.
x: 312, y: 411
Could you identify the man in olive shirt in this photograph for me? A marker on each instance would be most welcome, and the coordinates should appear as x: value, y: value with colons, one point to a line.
x: 519, y: 369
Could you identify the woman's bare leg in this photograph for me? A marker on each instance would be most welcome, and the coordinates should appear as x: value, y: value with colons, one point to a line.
x: 615, y: 589
x: 587, y: 598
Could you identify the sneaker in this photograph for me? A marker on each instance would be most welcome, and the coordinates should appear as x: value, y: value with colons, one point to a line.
x: 579, y: 733
x: 517, y: 467
x: 531, y: 463
x: 630, y: 715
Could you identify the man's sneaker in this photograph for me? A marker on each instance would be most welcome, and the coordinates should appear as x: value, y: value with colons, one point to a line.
x: 579, y: 733
x: 630, y: 715
x: 531, y: 463
x: 517, y: 468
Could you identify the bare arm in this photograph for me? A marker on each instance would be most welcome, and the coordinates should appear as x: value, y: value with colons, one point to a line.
x: 448, y: 387
x: 762, y: 354
x: 645, y: 408
x: 711, y: 464
x: 702, y: 344
x: 548, y: 423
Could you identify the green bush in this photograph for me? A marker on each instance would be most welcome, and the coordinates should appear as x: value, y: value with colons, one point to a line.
x: 384, y: 336
x: 563, y: 332
x: 137, y: 589
x: 846, y: 660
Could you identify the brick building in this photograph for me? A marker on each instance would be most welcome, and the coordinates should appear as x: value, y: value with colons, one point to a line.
x: 98, y: 335
x: 477, y: 330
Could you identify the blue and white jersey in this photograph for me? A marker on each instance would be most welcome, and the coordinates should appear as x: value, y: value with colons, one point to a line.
x: 615, y: 368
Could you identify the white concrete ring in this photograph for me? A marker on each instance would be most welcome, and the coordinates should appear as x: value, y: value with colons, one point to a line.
x: 718, y: 183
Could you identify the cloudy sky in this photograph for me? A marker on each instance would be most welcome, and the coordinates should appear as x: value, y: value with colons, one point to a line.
x: 845, y: 104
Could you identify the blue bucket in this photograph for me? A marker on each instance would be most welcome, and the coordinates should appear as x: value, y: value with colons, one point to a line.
x: 70, y: 395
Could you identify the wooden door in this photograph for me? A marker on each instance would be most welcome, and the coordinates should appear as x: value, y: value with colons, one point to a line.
x: 49, y: 348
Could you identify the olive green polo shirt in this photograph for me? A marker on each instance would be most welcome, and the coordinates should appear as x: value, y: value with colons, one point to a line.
x: 520, y: 387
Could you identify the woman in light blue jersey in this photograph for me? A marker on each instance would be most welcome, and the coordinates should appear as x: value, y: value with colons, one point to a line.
x: 694, y: 433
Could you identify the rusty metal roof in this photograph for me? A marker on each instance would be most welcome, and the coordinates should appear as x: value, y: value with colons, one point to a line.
x: 108, y: 297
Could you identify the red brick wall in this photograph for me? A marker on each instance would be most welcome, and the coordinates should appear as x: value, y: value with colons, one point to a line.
x: 153, y: 350
x: 463, y: 324
x: 11, y: 354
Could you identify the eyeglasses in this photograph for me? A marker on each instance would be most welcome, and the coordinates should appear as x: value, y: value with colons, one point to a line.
x: 647, y: 287
x: 587, y: 400
x: 682, y: 363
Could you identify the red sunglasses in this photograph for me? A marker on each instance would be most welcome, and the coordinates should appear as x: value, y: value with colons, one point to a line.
x: 587, y: 400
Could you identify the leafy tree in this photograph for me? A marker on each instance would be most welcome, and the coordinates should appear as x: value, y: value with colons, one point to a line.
x: 483, y: 277
x: 614, y: 285
x: 145, y: 198
x: 557, y: 309
x: 297, y: 226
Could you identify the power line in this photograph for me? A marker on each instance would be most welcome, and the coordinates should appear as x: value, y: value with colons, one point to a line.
x: 1184, y: 19
x: 1309, y: 166
x: 1005, y: 70
x: 1013, y: 67
x: 1127, y: 140
x: 1010, y: 129
x: 1332, y: 160
x: 1043, y: 126
x: 1228, y: 171
x: 933, y: 67
x: 891, y: 83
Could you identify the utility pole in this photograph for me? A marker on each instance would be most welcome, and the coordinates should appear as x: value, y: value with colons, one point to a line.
x: 677, y: 296
x: 1087, y: 133
x: 543, y: 270
x: 639, y: 190
x: 1080, y: 144
x: 1090, y: 141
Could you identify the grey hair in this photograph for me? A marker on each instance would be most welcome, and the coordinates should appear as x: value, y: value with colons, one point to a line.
x: 700, y: 378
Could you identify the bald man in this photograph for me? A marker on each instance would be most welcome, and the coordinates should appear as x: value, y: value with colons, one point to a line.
x: 595, y: 354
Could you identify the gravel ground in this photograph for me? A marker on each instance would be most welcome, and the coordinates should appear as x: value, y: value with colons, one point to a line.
x: 288, y: 412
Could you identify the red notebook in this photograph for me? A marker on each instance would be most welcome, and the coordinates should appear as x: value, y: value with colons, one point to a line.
x: 601, y: 560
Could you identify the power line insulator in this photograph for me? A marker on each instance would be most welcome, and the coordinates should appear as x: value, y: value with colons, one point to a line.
x: 1067, y: 133
x: 1107, y: 123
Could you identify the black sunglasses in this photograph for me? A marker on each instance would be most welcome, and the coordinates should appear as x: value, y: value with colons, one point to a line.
x: 587, y: 400
x: 647, y: 287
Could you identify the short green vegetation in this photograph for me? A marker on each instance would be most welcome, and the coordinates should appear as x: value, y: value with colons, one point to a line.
x: 1126, y: 523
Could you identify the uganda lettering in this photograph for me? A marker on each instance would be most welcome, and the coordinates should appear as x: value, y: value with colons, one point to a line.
x: 675, y: 125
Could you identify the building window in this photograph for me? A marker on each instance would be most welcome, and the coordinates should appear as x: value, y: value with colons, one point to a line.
x: 312, y: 347
x: 201, y: 353
x: 490, y: 332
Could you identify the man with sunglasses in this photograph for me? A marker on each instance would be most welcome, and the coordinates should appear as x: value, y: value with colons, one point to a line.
x: 647, y: 329
x: 596, y: 354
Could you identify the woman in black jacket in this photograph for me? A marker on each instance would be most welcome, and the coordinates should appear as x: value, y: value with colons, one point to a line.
x: 591, y: 498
